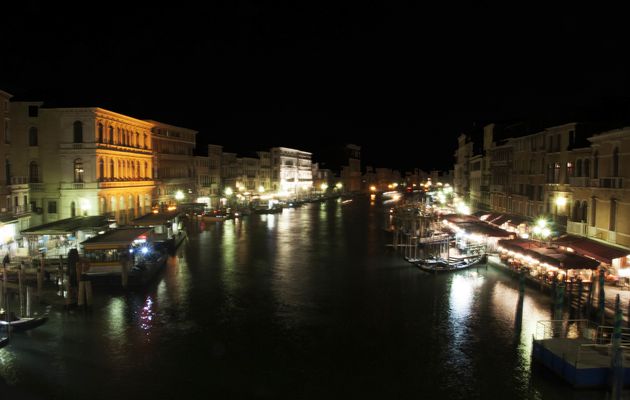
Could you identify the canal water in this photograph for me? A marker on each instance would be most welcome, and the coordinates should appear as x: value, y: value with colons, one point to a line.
x: 307, y: 304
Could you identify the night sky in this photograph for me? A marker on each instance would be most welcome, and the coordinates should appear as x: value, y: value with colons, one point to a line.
x: 314, y: 76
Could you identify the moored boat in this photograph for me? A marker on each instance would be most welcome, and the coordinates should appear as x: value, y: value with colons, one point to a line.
x: 437, y: 265
x: 23, y: 324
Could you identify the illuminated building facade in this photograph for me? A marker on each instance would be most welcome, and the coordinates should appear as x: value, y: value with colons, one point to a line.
x: 291, y: 171
x: 14, y: 189
x: 174, y: 162
x: 85, y: 161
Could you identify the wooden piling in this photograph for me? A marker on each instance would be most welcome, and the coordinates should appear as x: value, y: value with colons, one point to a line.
x: 40, y: 278
x: 20, y: 292
x: 28, y: 301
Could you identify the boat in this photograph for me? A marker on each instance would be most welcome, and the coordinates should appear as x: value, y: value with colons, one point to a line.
x: 436, y: 265
x: 22, y: 324
x: 4, y: 341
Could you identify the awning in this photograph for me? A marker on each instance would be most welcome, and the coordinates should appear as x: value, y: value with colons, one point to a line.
x: 592, y: 248
x: 550, y: 255
x: 482, y: 228
x: 115, y: 239
x: 69, y: 226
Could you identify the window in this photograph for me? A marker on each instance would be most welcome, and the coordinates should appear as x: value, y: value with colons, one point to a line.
x: 587, y: 168
x: 33, y: 111
x: 7, y: 132
x: 111, y: 168
x: 100, y: 132
x: 613, y: 214
x: 73, y: 209
x: 77, y: 136
x: 33, y: 136
x: 111, y: 134
x: 596, y: 165
x: 556, y: 173
x: 7, y: 171
x: 101, y: 169
x: 593, y: 211
x: 578, y: 167
x: 33, y: 172
x: 615, y: 162
x: 52, y: 207
x: 78, y: 170
x: 146, y: 170
x: 570, y: 171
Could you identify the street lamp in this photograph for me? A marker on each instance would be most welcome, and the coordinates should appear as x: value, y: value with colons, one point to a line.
x: 541, y: 230
x: 179, y: 195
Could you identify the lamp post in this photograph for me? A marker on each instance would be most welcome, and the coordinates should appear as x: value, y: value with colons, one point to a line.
x: 541, y: 230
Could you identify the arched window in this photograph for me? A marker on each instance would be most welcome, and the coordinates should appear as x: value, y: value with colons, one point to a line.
x: 576, y: 211
x: 7, y: 171
x: 578, y: 168
x: 146, y: 170
x: 593, y: 211
x: 111, y: 168
x: 121, y: 173
x: 584, y: 216
x: 615, y: 162
x: 73, y: 209
x: 111, y: 134
x: 587, y: 168
x: 77, y: 132
x: 33, y: 136
x: 33, y: 172
x: 613, y: 214
x: 137, y: 170
x: 145, y: 142
x: 137, y: 142
x: 100, y: 132
x: 118, y: 136
x: 78, y: 170
x: 101, y: 169
x: 556, y: 173
x: 596, y: 165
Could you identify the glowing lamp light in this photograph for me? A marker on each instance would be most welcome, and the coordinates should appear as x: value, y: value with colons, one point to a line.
x: 144, y: 250
x: 561, y: 201
x: 261, y: 189
x: 84, y: 203
x: 324, y: 186
x: 179, y: 195
x: 541, y: 223
x: 373, y: 188
x: 339, y: 185
x: 228, y: 191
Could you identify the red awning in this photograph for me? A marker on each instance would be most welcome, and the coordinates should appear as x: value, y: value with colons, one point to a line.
x: 550, y: 255
x: 592, y: 248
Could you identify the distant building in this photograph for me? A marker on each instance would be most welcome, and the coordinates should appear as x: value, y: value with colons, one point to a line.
x: 291, y: 171
x: 174, y: 162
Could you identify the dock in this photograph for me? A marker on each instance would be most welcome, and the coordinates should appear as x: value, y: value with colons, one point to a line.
x: 579, y: 352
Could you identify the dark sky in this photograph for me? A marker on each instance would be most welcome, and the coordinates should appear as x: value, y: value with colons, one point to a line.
x: 314, y: 75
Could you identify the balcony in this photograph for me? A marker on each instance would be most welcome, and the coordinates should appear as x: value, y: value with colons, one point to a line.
x: 579, y: 181
x: 611, y: 183
x: 123, y: 184
x: 577, y: 228
x: 36, y: 187
x: 77, y: 185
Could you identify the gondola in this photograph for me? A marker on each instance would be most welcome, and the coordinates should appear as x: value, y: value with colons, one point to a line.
x: 441, y: 265
x: 4, y: 341
x: 23, y: 324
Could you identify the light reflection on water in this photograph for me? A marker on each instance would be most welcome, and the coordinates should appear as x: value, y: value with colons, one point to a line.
x: 308, y: 303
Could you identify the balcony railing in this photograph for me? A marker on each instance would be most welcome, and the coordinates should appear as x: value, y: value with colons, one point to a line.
x: 579, y: 181
x: 129, y: 183
x: 611, y: 183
